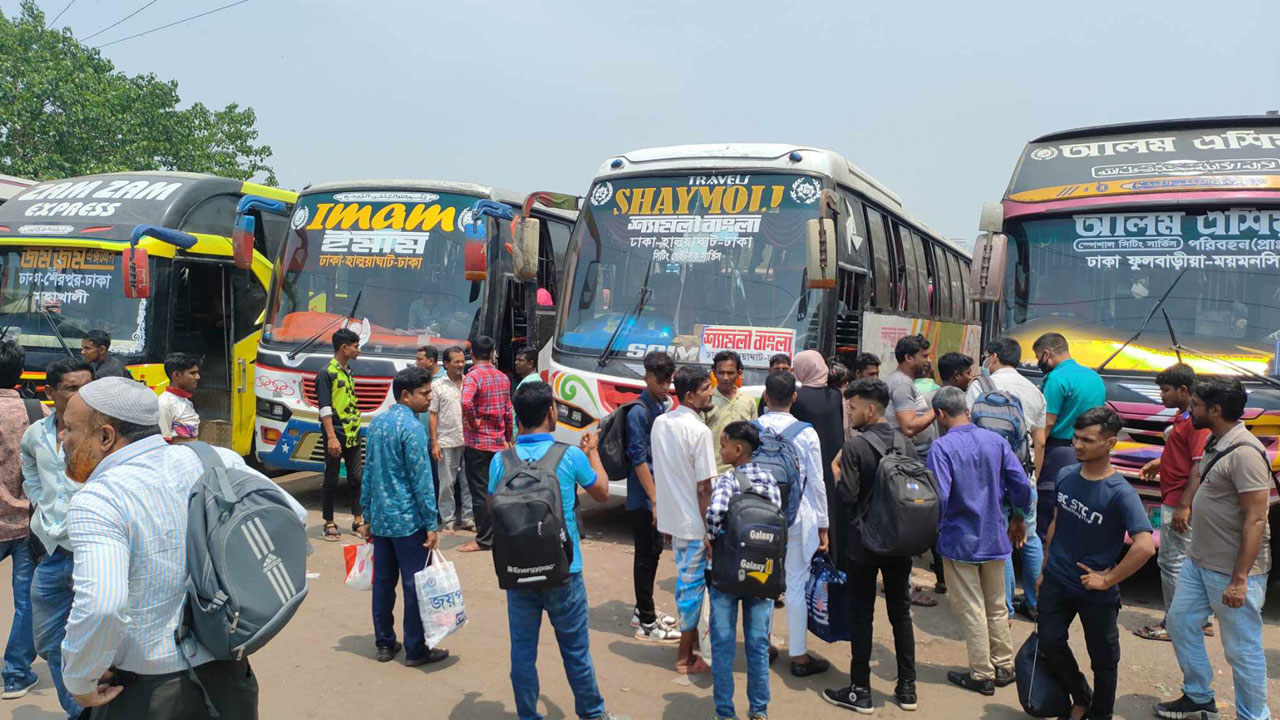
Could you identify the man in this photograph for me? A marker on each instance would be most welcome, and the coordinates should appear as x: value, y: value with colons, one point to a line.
x: 684, y: 464
x: 956, y: 370
x: 526, y: 365
x: 866, y: 365
x: 858, y: 461
x: 15, y: 416
x: 566, y: 606
x: 1069, y: 389
x: 1183, y: 448
x: 1001, y: 363
x: 340, y: 428
x: 808, y: 534
x: 95, y: 348
x: 179, y: 420
x: 1095, y: 507
x: 908, y: 411
x: 777, y: 363
x: 49, y: 491
x: 128, y: 529
x: 1226, y: 568
x: 738, y: 442
x: 447, y: 442
x: 727, y: 403
x: 486, y: 429
x: 650, y: 624
x: 398, y: 495
x: 428, y: 359
x: 977, y: 474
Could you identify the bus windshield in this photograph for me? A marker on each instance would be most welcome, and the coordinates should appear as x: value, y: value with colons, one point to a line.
x: 717, y: 256
x: 74, y: 290
x: 1097, y: 276
x: 392, y: 261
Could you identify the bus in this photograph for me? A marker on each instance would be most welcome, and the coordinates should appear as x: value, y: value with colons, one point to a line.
x: 147, y: 257
x: 1145, y: 244
x: 403, y: 263
x: 759, y: 248
x: 10, y: 186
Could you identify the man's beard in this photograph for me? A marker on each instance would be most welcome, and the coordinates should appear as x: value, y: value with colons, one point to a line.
x: 81, y: 463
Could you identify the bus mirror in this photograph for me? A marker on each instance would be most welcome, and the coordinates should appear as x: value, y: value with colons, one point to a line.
x: 820, y: 243
x: 992, y: 219
x: 242, y: 241
x: 986, y: 283
x: 137, y: 273
x: 525, y: 251
x: 475, y: 262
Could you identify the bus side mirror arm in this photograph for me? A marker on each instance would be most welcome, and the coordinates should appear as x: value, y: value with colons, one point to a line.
x: 134, y: 261
x: 246, y: 226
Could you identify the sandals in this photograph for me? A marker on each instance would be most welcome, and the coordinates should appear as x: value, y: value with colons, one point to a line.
x: 697, y: 667
x: 331, y: 532
x: 359, y: 528
x: 1153, y: 632
x: 919, y: 599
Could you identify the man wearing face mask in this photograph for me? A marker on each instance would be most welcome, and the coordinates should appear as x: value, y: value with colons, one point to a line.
x: 1069, y: 389
x: 128, y: 530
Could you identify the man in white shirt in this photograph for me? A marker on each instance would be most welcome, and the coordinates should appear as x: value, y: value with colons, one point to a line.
x: 447, y: 441
x: 684, y: 464
x: 808, y: 534
x: 178, y: 418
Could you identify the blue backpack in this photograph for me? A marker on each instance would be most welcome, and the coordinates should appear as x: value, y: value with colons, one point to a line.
x: 1001, y: 413
x: 779, y: 455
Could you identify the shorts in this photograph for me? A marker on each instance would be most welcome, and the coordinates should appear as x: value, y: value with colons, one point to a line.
x: 691, y: 581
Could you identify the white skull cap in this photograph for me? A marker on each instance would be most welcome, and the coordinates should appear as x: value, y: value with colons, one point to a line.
x: 123, y: 399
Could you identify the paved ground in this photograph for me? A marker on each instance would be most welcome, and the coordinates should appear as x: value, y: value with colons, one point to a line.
x: 322, y: 665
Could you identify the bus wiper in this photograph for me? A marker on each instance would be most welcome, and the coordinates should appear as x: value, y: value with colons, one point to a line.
x: 1260, y: 377
x: 54, y: 325
x: 606, y: 354
x: 311, y: 341
x: 1146, y: 322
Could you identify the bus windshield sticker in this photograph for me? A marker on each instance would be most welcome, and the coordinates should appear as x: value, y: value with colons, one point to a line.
x: 755, y: 345
x: 1226, y: 239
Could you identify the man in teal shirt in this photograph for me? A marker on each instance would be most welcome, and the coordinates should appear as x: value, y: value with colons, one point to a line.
x: 1069, y: 389
x: 526, y: 367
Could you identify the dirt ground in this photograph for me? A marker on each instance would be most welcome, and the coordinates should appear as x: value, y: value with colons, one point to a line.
x: 322, y: 665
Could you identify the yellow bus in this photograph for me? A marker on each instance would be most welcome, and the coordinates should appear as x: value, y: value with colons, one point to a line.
x: 149, y: 258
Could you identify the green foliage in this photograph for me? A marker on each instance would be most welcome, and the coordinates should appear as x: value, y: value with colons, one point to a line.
x: 66, y: 111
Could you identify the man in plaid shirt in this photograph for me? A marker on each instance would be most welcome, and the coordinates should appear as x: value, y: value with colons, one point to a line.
x: 486, y: 429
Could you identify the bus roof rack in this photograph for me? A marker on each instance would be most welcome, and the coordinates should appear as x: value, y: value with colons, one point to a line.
x: 1158, y: 125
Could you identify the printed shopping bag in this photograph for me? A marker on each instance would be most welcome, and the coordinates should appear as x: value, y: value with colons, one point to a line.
x: 439, y: 599
x: 359, y: 560
x: 826, y: 594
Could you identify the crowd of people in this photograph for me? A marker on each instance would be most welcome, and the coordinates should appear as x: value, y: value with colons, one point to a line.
x: 94, y: 519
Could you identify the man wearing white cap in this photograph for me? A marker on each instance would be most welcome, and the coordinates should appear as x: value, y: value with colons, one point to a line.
x: 128, y: 529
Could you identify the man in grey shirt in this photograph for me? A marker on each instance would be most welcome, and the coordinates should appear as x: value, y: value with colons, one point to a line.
x: 908, y: 410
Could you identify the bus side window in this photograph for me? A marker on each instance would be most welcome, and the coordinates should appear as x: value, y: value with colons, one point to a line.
x: 915, y: 274
x: 881, y: 265
x: 249, y: 299
x: 931, y: 271
x: 211, y: 216
x: 943, y: 289
x: 957, y: 291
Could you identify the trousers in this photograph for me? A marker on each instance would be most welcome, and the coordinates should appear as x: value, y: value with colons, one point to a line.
x: 231, y: 684
x: 354, y: 458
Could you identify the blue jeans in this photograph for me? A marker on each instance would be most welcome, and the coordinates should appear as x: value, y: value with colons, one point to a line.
x: 51, y: 596
x: 1032, y: 554
x: 20, y: 652
x: 398, y: 560
x: 756, y: 616
x: 1199, y: 594
x: 566, y: 607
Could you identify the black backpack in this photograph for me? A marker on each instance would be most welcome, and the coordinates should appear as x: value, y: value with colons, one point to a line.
x: 1039, y: 691
x: 613, y: 442
x: 531, y: 544
x: 902, y: 513
x: 748, y: 556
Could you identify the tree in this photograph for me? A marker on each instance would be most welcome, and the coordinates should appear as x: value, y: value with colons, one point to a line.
x: 66, y: 111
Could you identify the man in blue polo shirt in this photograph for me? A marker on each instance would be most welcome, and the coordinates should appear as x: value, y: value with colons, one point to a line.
x: 566, y: 605
x: 1069, y: 389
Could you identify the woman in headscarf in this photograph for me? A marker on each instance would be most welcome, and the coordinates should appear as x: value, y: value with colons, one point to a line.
x: 823, y: 407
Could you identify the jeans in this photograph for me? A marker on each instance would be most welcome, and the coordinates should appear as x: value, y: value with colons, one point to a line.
x: 1199, y: 593
x: 1173, y: 552
x: 862, y: 604
x: 51, y: 596
x: 644, y: 566
x: 450, y: 466
x: 1057, y: 455
x: 756, y: 616
x: 1032, y: 555
x: 566, y: 607
x: 398, y: 558
x: 979, y: 603
x: 354, y: 458
x: 20, y: 651
x: 476, y: 464
x: 1058, y: 608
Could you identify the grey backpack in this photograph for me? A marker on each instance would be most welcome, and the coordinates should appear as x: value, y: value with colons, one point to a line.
x: 246, y: 559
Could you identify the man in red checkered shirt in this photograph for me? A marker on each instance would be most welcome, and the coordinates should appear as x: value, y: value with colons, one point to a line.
x: 486, y: 429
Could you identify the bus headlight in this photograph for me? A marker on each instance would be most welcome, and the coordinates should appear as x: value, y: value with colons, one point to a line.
x: 273, y: 410
x: 571, y: 415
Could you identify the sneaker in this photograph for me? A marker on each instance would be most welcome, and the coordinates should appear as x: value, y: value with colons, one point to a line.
x: 813, y: 667
x: 661, y: 618
x: 1184, y: 708
x: 850, y: 698
x: 386, y: 654
x: 905, y: 694
x: 611, y: 716
x: 434, y: 655
x: 14, y: 689
x: 1004, y: 678
x: 969, y: 682
x: 658, y: 633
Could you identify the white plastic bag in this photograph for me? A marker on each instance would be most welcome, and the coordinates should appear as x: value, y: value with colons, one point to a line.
x: 359, y: 560
x: 704, y: 629
x: 439, y: 599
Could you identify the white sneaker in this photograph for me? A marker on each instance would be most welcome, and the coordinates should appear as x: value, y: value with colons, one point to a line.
x: 658, y: 633
x: 662, y: 619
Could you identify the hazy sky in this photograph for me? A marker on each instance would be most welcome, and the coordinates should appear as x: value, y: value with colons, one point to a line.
x: 934, y: 99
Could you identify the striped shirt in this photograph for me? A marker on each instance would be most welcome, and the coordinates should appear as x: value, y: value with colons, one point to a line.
x: 46, y: 483
x: 128, y: 528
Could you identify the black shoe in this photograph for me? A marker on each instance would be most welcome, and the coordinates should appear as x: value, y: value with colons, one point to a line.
x: 432, y: 656
x: 385, y: 654
x: 850, y: 698
x: 815, y: 666
x: 968, y: 682
x: 779, y: 603
x: 773, y: 653
x: 1023, y: 608
x: 905, y: 694
x: 1004, y: 678
x: 1184, y: 708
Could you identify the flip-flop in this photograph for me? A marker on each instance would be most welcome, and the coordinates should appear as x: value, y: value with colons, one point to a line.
x: 1153, y: 632
x: 919, y: 599
x: 699, y: 667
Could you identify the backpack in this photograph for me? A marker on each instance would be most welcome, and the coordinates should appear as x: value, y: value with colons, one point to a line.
x: 246, y: 559
x: 780, y: 456
x: 1002, y: 413
x: 1039, y: 691
x: 35, y: 410
x: 902, y: 512
x: 531, y: 544
x: 748, y: 555
x: 613, y: 442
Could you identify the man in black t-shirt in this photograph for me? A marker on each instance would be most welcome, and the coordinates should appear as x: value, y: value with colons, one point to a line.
x: 1094, y: 506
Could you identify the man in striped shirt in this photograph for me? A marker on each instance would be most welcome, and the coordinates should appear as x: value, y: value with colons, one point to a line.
x: 128, y: 531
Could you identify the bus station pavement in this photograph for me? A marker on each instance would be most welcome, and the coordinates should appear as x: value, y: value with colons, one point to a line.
x: 322, y: 665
